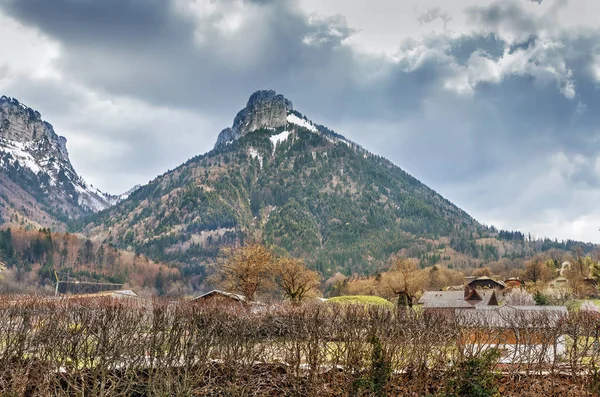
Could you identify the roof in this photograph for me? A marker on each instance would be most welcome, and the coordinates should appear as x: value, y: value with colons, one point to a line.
x: 444, y: 299
x: 486, y: 278
x: 125, y: 293
x: 558, y: 280
x: 456, y: 299
x: 511, y: 316
x: 237, y: 297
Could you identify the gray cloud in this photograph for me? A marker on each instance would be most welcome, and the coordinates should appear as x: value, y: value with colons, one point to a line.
x: 138, y: 22
x: 150, y: 51
x: 508, y: 14
x: 463, y: 47
x: 434, y: 14
x: 480, y: 116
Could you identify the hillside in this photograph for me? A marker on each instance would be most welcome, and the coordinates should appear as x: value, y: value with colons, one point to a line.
x: 300, y: 186
x: 31, y: 261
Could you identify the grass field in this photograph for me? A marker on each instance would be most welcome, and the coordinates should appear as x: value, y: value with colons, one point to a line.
x: 365, y: 300
x: 575, y: 305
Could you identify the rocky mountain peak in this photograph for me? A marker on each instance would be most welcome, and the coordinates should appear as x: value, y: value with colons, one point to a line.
x: 21, y: 124
x: 265, y: 109
x: 36, y: 158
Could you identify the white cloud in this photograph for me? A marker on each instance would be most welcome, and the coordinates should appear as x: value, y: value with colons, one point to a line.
x: 119, y: 142
x: 543, y: 60
x: 25, y: 52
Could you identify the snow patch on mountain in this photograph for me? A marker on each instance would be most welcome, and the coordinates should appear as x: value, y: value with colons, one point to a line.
x: 292, y: 118
x: 20, y: 154
x: 255, y: 155
x: 281, y: 137
x: 88, y: 199
x: 23, y: 155
x: 126, y: 195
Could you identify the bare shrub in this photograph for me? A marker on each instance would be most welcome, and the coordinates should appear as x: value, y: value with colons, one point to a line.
x: 519, y: 297
x: 113, y: 347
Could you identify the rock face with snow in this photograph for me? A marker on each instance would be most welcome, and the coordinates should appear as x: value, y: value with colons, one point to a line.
x: 265, y: 109
x: 268, y: 110
x: 36, y: 159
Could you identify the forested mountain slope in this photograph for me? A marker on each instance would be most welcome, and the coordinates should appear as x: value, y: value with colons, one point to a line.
x: 32, y: 260
x: 277, y: 176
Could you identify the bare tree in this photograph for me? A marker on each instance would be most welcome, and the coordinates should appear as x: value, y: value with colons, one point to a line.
x: 296, y: 281
x: 580, y: 269
x: 519, y: 297
x: 482, y: 271
x: 405, y: 281
x: 245, y: 269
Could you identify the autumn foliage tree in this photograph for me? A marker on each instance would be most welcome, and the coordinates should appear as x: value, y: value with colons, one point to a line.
x: 538, y: 270
x: 246, y: 269
x: 482, y: 272
x: 404, y: 281
x: 439, y: 277
x: 295, y: 280
x: 578, y: 272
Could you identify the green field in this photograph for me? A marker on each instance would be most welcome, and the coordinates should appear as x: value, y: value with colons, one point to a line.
x: 366, y: 300
x: 575, y: 305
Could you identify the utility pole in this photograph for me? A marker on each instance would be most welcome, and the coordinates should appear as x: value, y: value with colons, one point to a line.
x: 57, y: 282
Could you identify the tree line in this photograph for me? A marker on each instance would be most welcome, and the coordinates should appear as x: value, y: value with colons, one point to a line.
x: 34, y: 259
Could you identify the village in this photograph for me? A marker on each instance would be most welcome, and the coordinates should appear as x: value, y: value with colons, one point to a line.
x: 487, y: 313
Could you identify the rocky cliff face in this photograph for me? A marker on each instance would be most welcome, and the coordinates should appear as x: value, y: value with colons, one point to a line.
x: 34, y: 157
x: 265, y: 109
x: 18, y: 123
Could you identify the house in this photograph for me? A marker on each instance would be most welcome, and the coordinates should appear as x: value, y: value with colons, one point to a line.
x: 220, y: 297
x: 559, y: 282
x: 449, y: 301
x: 590, y: 281
x: 486, y: 282
x: 513, y: 282
x: 522, y: 334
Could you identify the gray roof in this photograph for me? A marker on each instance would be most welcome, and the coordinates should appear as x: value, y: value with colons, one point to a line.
x: 453, y: 300
x: 444, y: 299
x: 512, y: 316
x: 237, y: 297
x: 122, y: 293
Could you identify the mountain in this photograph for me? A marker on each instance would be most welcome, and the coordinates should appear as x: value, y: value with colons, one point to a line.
x: 265, y: 109
x: 276, y: 175
x: 38, y: 185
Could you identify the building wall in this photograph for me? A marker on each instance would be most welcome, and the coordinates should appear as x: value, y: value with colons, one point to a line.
x: 515, y: 347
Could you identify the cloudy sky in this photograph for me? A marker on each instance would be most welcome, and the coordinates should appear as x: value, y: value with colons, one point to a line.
x: 494, y: 104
